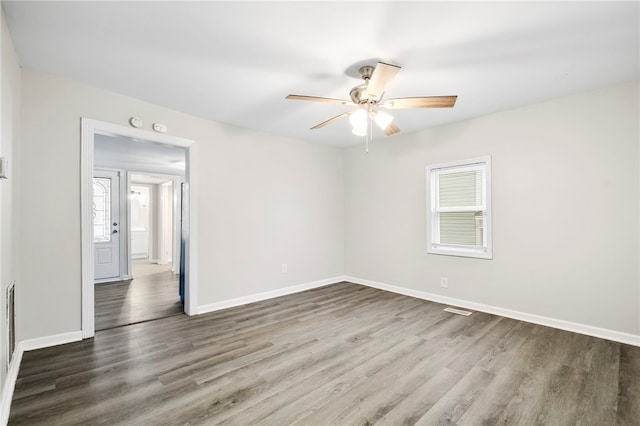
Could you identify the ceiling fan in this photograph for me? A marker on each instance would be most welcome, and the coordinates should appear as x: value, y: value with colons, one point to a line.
x: 368, y: 98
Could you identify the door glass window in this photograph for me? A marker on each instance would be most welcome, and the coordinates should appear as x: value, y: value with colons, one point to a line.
x: 101, y: 209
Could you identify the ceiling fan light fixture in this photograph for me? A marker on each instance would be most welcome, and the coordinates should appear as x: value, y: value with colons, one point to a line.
x: 382, y: 119
x: 359, y: 119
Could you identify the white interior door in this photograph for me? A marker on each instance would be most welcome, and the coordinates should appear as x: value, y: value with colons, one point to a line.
x: 106, y: 224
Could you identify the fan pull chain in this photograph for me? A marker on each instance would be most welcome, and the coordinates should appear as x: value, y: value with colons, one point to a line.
x: 369, y: 132
x: 369, y: 128
x: 366, y: 137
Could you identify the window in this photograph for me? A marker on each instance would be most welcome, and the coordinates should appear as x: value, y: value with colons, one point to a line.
x: 459, y: 208
x: 101, y: 209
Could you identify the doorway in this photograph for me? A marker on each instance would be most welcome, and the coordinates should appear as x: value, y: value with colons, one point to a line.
x: 150, y: 289
x: 155, y: 216
x: 140, y: 199
x: 92, y: 129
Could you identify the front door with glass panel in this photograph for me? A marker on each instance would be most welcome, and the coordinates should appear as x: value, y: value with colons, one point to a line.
x: 106, y: 224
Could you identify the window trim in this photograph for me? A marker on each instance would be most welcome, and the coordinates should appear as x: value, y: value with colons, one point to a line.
x: 485, y: 252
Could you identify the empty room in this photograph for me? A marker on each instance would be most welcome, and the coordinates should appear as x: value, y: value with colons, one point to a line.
x: 320, y: 213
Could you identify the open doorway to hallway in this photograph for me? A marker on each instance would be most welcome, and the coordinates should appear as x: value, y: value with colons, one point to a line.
x: 146, y: 282
x: 91, y: 130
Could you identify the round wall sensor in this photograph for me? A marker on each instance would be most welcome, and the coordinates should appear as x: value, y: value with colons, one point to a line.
x: 135, y: 122
x: 159, y: 127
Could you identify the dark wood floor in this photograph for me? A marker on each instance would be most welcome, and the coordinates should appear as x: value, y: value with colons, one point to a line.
x: 152, y: 294
x: 342, y: 354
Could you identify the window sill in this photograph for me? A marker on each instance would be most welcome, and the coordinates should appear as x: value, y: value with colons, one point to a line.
x: 460, y: 252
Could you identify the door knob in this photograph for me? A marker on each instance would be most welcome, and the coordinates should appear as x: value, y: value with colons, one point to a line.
x: 115, y: 231
x: 115, y: 224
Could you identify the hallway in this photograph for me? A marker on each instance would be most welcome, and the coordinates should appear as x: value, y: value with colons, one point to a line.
x: 152, y: 294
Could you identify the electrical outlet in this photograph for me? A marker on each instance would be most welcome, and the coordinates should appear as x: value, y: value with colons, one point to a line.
x: 444, y: 282
x: 284, y: 267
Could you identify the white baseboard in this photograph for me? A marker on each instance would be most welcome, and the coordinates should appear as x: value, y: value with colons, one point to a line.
x: 54, y: 340
x: 616, y: 336
x: 14, y: 366
x: 10, y: 385
x: 266, y: 295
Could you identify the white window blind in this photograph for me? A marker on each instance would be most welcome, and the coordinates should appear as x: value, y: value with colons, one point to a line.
x: 459, y: 214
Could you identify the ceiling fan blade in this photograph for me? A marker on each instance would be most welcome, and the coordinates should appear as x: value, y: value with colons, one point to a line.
x: 391, y: 129
x: 319, y: 99
x: 421, y: 102
x: 382, y: 75
x: 331, y: 120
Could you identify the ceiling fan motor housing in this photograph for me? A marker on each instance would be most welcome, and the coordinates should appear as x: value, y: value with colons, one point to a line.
x: 359, y: 94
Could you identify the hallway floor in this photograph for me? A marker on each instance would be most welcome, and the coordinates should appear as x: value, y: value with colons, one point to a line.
x: 151, y: 294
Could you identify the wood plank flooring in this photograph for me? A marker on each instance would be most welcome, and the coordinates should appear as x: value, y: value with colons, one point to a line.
x: 152, y: 294
x: 338, y: 355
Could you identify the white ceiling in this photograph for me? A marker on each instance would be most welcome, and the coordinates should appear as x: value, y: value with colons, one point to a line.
x: 131, y: 154
x: 234, y: 62
x: 148, y: 179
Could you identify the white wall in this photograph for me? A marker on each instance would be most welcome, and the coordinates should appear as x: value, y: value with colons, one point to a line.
x: 262, y: 201
x: 560, y: 249
x: 276, y: 201
x: 565, y: 210
x: 9, y: 188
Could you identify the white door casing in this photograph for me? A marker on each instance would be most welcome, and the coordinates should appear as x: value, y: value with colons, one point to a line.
x: 106, y: 225
x: 89, y: 128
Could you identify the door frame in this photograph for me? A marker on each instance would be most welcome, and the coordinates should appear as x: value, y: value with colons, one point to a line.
x: 176, y: 181
x: 89, y: 128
